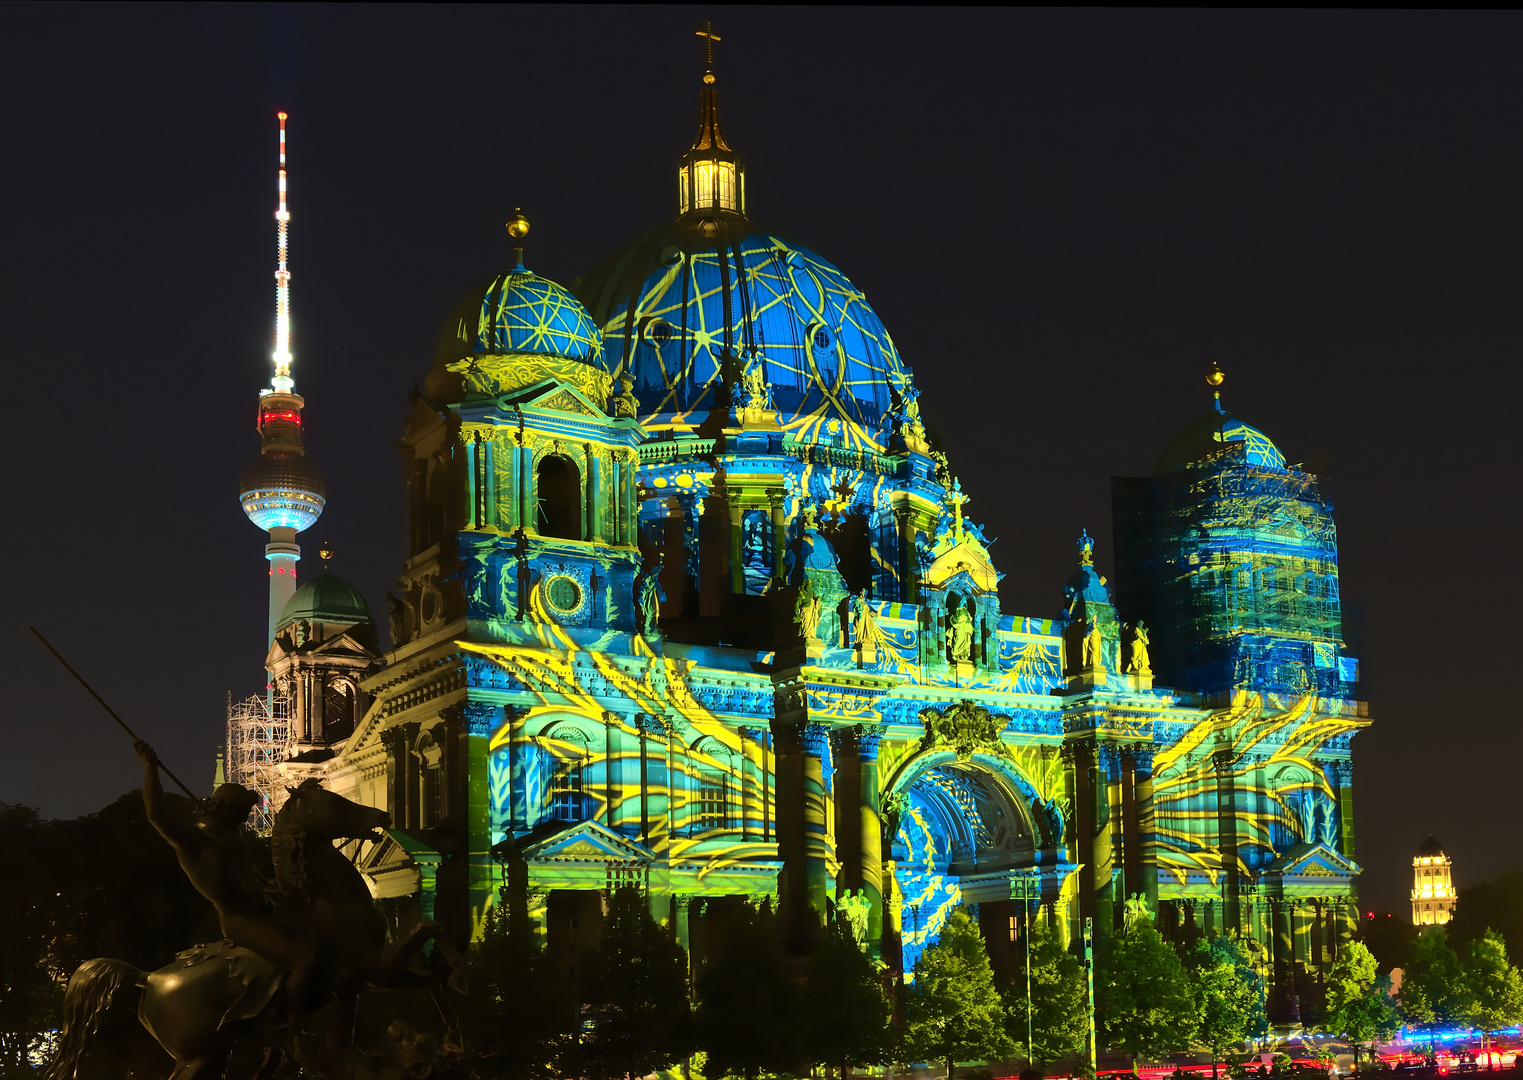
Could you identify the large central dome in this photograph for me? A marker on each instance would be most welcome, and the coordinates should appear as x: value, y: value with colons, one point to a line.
x: 676, y: 303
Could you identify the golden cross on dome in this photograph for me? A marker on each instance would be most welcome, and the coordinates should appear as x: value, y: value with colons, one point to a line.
x: 706, y: 31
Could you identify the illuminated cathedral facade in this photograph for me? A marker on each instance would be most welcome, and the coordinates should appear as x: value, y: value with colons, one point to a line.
x: 691, y: 603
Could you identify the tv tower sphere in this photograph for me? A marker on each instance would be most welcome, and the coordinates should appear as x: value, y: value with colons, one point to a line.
x: 281, y: 491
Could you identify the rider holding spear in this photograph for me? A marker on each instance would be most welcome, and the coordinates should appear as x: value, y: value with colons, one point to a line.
x: 212, y: 854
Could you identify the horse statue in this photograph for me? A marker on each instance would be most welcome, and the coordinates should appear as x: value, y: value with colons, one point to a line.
x: 347, y: 933
x: 214, y: 997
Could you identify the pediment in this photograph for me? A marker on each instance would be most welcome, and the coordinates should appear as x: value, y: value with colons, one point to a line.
x: 587, y: 842
x: 965, y: 557
x: 1312, y: 861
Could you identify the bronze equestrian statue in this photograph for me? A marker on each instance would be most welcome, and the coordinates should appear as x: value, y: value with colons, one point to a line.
x: 277, y: 966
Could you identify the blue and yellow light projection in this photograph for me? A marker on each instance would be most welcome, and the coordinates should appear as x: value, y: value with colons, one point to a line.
x: 692, y: 603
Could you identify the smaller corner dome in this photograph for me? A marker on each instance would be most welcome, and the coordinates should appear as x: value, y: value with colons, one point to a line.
x: 1429, y: 849
x: 521, y: 312
x: 326, y: 598
x: 1209, y: 433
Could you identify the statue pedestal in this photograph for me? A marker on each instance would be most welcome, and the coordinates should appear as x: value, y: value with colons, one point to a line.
x: 1086, y: 677
x: 1138, y: 681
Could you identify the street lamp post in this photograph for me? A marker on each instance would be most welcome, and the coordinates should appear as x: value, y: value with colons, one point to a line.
x: 1026, y: 889
x: 1089, y: 967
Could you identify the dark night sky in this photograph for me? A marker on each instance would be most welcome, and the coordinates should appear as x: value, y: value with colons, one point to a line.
x: 1062, y: 217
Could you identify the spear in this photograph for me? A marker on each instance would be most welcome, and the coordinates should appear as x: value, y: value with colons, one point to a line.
x: 109, y: 710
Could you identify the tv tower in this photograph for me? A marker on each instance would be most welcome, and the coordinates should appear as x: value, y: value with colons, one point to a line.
x: 281, y: 491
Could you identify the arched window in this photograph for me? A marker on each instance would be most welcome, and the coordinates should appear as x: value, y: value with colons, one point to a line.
x: 559, y: 485
x: 338, y: 709
x: 756, y: 551
x: 568, y: 797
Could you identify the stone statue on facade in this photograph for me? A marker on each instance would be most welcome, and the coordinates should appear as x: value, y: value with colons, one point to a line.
x: 807, y: 610
x: 649, y: 595
x: 960, y: 636
x: 757, y: 394
x: 1136, y: 910
x: 865, y: 635
x: 1137, y: 662
x: 855, y: 908
x: 625, y: 404
x: 1093, y: 646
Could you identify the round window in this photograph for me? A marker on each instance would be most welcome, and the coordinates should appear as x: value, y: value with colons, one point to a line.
x: 658, y: 332
x: 823, y: 339
x: 564, y: 593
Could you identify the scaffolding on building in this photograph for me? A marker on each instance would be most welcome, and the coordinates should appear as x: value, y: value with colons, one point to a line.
x: 258, y: 734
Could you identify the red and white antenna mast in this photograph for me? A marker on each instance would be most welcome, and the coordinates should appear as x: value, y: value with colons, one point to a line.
x: 282, y: 382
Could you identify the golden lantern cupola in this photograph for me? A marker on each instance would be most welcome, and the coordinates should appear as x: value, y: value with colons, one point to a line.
x: 710, y: 178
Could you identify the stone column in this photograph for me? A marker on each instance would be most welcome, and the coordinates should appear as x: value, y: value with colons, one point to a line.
x: 1081, y: 760
x: 1226, y: 833
x: 871, y: 876
x: 847, y: 776
x: 817, y: 839
x: 1147, y: 840
x: 779, y: 534
x: 737, y: 513
x: 792, y: 848
x: 594, y: 495
x: 1283, y: 959
x: 750, y: 783
x: 519, y: 810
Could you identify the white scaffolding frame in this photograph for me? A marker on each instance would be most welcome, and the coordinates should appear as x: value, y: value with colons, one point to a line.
x: 258, y: 734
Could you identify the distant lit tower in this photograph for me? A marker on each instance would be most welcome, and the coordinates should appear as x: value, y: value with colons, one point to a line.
x: 281, y: 491
x: 1433, y: 895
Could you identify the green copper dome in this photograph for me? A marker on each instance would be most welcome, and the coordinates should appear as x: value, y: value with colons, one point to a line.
x: 326, y: 598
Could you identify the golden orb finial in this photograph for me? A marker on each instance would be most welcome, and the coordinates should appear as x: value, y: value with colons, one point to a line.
x: 1215, y: 377
x: 325, y: 553
x: 518, y: 225
x: 708, y: 78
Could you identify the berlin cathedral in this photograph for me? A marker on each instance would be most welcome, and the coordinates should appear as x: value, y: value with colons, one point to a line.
x: 690, y: 603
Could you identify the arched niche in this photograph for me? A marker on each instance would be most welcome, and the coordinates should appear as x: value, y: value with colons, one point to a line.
x: 558, y: 489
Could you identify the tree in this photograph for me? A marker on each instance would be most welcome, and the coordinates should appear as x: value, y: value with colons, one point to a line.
x: 747, y: 1014
x: 638, y: 995
x: 510, y: 978
x: 1359, y: 1006
x: 1434, y: 991
x: 952, y: 1010
x: 1059, y: 991
x: 1228, y: 994
x: 1495, y: 987
x: 845, y: 1014
x: 1142, y: 994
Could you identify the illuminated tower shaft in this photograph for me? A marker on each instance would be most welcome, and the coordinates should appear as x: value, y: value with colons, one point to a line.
x: 281, y: 491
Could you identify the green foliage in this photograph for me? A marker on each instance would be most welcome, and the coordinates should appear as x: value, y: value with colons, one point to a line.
x: 1358, y: 999
x: 1059, y: 991
x: 1227, y: 992
x: 747, y: 1014
x: 1495, y: 987
x: 509, y: 978
x: 1142, y: 995
x: 845, y: 1013
x: 638, y: 995
x: 1434, y: 992
x: 1494, y: 903
x: 952, y: 1010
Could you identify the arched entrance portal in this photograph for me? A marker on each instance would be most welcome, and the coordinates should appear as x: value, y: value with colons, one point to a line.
x: 961, y: 829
